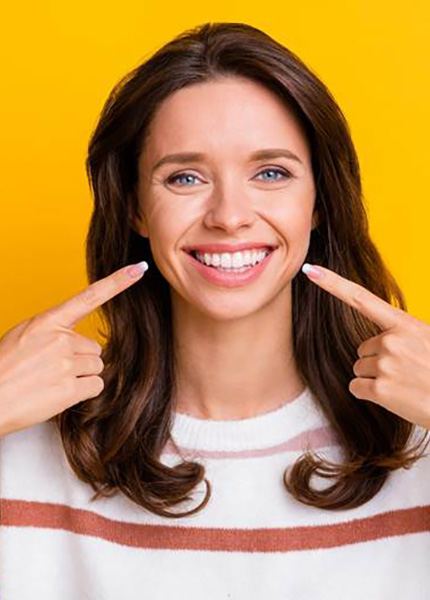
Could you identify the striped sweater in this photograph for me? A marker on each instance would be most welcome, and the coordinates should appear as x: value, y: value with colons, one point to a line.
x: 251, y: 541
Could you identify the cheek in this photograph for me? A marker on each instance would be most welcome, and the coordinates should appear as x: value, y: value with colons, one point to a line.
x: 166, y: 228
x: 292, y: 215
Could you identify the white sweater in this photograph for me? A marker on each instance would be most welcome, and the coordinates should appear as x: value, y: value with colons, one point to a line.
x: 252, y: 540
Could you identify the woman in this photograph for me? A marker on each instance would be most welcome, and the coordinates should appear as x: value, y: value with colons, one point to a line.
x: 236, y: 430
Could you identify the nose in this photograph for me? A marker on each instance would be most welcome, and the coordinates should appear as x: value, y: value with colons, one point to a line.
x: 229, y: 208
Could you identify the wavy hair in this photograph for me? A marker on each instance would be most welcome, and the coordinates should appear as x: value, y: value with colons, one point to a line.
x: 114, y: 441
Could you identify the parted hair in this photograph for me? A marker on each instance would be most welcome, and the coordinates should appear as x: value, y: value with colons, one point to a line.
x: 114, y: 442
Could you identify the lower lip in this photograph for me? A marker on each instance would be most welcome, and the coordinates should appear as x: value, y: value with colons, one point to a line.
x: 232, y: 279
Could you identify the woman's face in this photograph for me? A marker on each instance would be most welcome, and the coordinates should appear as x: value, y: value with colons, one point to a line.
x: 227, y: 196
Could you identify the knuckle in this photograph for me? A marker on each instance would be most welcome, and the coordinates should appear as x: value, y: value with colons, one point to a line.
x: 380, y: 387
x: 361, y: 350
x: 358, y: 296
x: 351, y: 386
x: 98, y: 365
x: 62, y: 343
x: 388, y: 342
x: 34, y: 320
x: 89, y: 296
x: 383, y: 365
x: 97, y: 385
x: 30, y: 326
x: 97, y: 348
x: 118, y: 276
x: 65, y: 364
x: 63, y: 338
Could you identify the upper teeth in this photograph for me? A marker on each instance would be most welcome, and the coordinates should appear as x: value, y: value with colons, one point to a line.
x: 235, y: 259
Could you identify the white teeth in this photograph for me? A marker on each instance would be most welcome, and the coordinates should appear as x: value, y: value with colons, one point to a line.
x: 235, y: 260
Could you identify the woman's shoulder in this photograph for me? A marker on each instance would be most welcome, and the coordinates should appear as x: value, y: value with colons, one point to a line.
x: 39, y: 439
x: 420, y: 435
x: 33, y: 456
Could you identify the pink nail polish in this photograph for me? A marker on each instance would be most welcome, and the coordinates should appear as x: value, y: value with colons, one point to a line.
x: 137, y: 269
x: 312, y: 271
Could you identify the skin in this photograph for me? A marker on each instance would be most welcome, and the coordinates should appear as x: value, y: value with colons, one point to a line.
x: 233, y: 345
x: 393, y: 368
x: 47, y: 365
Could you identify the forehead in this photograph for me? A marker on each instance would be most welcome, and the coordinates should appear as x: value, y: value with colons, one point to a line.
x: 229, y: 115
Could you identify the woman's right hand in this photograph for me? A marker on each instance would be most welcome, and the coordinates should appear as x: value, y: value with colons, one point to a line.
x: 45, y: 366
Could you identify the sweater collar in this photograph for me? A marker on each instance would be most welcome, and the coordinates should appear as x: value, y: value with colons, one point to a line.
x: 261, y: 431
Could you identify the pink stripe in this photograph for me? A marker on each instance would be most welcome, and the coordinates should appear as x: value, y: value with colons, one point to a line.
x: 45, y: 515
x: 316, y: 438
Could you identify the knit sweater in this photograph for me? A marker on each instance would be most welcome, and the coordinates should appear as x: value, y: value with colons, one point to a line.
x: 253, y: 540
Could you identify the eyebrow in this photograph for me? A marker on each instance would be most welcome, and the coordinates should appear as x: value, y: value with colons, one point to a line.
x: 185, y: 157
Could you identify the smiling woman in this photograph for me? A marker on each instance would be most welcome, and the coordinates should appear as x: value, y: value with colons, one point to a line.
x: 225, y: 164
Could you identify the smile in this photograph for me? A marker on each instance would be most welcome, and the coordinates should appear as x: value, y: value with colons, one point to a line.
x: 223, y: 273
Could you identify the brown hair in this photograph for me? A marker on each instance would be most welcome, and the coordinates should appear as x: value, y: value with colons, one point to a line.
x: 114, y: 441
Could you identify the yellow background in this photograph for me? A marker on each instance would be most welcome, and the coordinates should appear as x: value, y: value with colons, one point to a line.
x: 60, y: 61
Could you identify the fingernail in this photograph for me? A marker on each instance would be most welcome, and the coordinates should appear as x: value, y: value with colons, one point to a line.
x: 312, y: 271
x: 137, y: 269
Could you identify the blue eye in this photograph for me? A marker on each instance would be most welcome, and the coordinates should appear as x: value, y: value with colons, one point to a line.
x: 273, y: 170
x: 286, y: 174
x: 173, y: 178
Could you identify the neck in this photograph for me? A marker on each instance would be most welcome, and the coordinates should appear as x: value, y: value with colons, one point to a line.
x: 234, y: 369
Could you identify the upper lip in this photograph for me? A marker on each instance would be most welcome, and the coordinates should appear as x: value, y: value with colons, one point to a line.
x: 216, y: 248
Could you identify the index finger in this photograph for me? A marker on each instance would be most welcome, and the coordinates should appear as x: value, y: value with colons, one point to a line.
x: 70, y: 312
x: 375, y: 308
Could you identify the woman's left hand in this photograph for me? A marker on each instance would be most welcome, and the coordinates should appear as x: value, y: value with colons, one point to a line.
x: 394, y: 367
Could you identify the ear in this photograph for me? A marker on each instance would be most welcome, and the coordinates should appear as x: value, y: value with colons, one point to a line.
x: 139, y: 226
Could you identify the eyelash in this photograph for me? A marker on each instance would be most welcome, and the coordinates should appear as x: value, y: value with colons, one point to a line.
x: 284, y: 172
